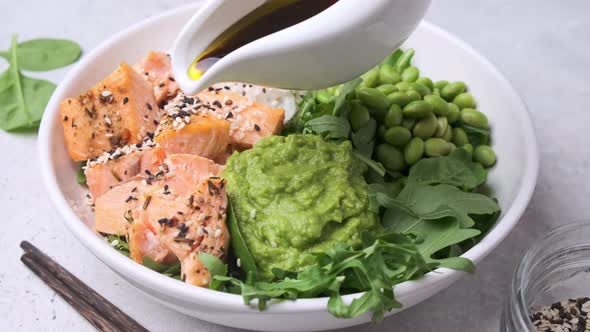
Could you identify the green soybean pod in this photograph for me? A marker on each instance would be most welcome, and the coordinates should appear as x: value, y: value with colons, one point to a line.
x: 323, y: 97
x: 409, y: 123
x: 460, y: 137
x: 427, y: 82
x: 381, y: 132
x: 453, y: 146
x: 413, y: 95
x: 399, y: 98
x: 414, y: 150
x: 370, y: 78
x: 373, y: 98
x: 403, y: 86
x: 398, y: 136
x: 404, y: 61
x: 436, y: 147
x: 440, y: 84
x: 394, y: 116
x: 454, y: 113
x: 468, y: 148
x: 436, y: 91
x: 359, y: 116
x: 422, y: 89
x: 417, y: 109
x: 448, y: 134
x: 439, y: 105
x: 388, y: 75
x: 484, y: 155
x: 464, y: 100
x: 387, y: 88
x: 425, y: 127
x: 442, y: 126
x: 410, y: 74
x: 391, y: 157
x: 474, y: 118
x: 452, y: 90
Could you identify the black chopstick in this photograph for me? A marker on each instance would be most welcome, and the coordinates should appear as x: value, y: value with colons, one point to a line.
x: 101, y: 313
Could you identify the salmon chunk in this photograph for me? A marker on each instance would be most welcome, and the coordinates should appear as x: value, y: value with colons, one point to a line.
x: 144, y: 242
x: 156, y: 68
x: 200, y: 228
x: 115, y: 208
x: 201, y: 134
x: 186, y: 171
x: 118, y: 111
x: 250, y: 121
x: 122, y: 165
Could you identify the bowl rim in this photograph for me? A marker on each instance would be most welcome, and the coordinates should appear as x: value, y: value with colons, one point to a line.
x: 210, y: 298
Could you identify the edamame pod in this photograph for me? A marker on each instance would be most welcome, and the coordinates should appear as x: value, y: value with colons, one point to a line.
x: 391, y: 157
x: 427, y: 82
x: 359, y: 116
x: 452, y: 90
x: 425, y: 127
x: 398, y: 136
x: 439, y: 105
x: 410, y: 74
x: 474, y: 118
x: 418, y: 109
x: 388, y: 75
x: 370, y: 78
x: 387, y: 88
x: 403, y: 86
x: 413, y: 95
x: 394, y: 116
x: 484, y: 155
x: 399, y: 98
x: 440, y: 84
x: 454, y: 113
x: 460, y: 137
x: 414, y: 151
x: 373, y: 98
x: 464, y: 100
x: 422, y: 89
x: 409, y: 123
x: 436, y: 147
x: 442, y: 126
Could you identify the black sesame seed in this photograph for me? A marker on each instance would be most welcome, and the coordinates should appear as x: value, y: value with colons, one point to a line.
x: 149, y: 106
x: 257, y: 127
x: 171, y: 79
x: 125, y: 100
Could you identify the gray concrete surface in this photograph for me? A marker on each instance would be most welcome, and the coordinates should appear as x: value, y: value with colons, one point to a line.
x: 542, y: 46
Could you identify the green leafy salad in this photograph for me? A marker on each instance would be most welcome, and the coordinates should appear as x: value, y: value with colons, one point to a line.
x: 373, y: 183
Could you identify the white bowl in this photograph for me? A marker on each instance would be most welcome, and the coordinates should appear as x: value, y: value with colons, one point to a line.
x: 439, y: 55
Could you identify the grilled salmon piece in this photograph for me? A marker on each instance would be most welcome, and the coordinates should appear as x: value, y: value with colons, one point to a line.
x: 123, y: 165
x: 186, y: 171
x: 156, y: 68
x: 250, y: 121
x: 118, y: 111
x: 201, y: 134
x: 199, y: 228
x: 115, y: 208
x: 144, y: 242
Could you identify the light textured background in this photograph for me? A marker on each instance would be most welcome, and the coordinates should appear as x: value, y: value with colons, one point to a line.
x: 542, y: 46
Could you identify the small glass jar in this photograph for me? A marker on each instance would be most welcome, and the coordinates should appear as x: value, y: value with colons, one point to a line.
x: 554, y: 269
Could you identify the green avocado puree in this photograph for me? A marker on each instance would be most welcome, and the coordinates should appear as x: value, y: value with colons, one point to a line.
x: 296, y: 195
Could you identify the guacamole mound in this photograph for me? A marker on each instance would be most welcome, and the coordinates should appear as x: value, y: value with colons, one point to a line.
x: 296, y: 195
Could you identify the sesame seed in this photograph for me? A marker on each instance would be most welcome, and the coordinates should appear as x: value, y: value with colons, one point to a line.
x: 200, y: 231
x: 106, y: 93
x: 239, y: 262
x: 115, y: 242
x: 217, y: 233
x: 108, y: 121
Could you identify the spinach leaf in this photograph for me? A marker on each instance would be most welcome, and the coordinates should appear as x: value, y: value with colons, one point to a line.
x: 364, y: 138
x: 417, y: 202
x: 477, y: 136
x: 329, y: 126
x: 119, y: 243
x: 45, y: 54
x: 247, y: 263
x: 457, y: 170
x: 215, y: 267
x: 22, y: 99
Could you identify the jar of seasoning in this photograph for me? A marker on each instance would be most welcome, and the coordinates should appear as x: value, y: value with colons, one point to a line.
x: 551, y: 285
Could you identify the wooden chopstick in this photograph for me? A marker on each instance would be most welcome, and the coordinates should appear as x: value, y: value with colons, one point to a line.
x: 101, y: 313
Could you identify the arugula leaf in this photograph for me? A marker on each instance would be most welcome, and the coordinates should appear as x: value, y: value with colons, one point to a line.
x: 247, y: 263
x: 121, y: 244
x: 372, y: 164
x: 364, y: 138
x: 417, y: 202
x: 22, y: 99
x: 172, y: 270
x: 477, y: 136
x: 340, y: 100
x: 45, y: 54
x: 215, y: 267
x: 385, y: 261
x: 80, y: 176
x: 457, y: 170
x: 329, y: 126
